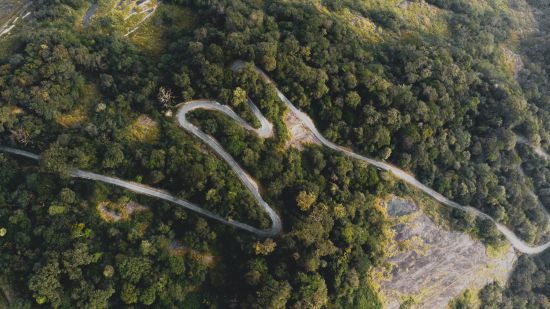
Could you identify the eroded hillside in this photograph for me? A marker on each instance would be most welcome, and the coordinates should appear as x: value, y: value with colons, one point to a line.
x: 432, y: 265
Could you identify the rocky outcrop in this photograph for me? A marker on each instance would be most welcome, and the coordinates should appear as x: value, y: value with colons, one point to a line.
x: 11, y: 12
x: 432, y: 265
x: 114, y: 212
x: 299, y: 135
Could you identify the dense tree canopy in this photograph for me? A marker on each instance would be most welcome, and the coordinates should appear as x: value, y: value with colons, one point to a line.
x: 438, y: 104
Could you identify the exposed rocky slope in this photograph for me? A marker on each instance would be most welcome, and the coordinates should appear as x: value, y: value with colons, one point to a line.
x: 11, y: 12
x: 433, y: 265
x: 299, y: 134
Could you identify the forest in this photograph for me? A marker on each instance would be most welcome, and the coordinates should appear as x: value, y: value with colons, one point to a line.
x: 437, y: 103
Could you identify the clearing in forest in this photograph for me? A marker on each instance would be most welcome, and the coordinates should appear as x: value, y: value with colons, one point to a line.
x: 11, y: 12
x: 431, y: 265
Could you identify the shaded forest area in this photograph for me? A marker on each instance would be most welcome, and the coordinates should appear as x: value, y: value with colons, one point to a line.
x: 529, y: 285
x: 75, y: 98
x: 441, y: 106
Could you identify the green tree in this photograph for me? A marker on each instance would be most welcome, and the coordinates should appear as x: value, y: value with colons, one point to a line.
x: 273, y: 294
x: 312, y: 292
x: 129, y: 294
x: 304, y: 200
x: 46, y: 286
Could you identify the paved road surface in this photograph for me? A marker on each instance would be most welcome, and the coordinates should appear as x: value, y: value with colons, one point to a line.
x: 265, y: 131
x: 399, y: 173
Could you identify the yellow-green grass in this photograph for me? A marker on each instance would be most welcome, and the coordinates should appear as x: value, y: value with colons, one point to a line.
x: 113, y: 211
x: 143, y: 129
x: 421, y: 17
x: 132, y: 20
x: 416, y: 16
x: 121, y: 17
x: 73, y: 119
x: 152, y: 35
x: 79, y: 115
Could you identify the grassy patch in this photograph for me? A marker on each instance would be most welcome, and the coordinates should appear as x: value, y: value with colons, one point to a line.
x: 143, y: 129
x: 121, y: 16
x: 412, y: 16
x: 425, y: 17
x: 72, y: 119
x: 79, y: 115
x: 363, y: 25
x: 8, y: 8
x: 150, y: 25
x: 468, y: 299
x: 122, y: 209
x: 9, y: 46
x: 133, y: 14
x: 153, y: 36
x: 497, y: 252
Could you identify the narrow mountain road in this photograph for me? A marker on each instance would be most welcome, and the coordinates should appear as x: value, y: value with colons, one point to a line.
x: 265, y: 131
x: 399, y: 173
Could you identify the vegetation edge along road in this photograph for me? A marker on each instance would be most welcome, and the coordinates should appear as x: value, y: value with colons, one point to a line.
x: 516, y: 242
x: 265, y: 131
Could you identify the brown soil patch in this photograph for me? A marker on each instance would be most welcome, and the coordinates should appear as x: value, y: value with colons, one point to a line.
x: 113, y: 212
x: 143, y: 129
x: 204, y: 258
x: 299, y: 134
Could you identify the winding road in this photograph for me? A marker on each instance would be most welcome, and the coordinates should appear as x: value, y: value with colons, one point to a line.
x: 266, y: 131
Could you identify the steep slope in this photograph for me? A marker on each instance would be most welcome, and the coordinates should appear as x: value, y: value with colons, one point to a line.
x: 432, y: 265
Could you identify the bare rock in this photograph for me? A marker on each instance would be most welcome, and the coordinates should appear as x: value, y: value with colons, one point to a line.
x: 299, y: 134
x: 434, y: 265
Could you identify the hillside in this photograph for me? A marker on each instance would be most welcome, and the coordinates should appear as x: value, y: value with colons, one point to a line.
x: 235, y: 154
x: 432, y: 265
